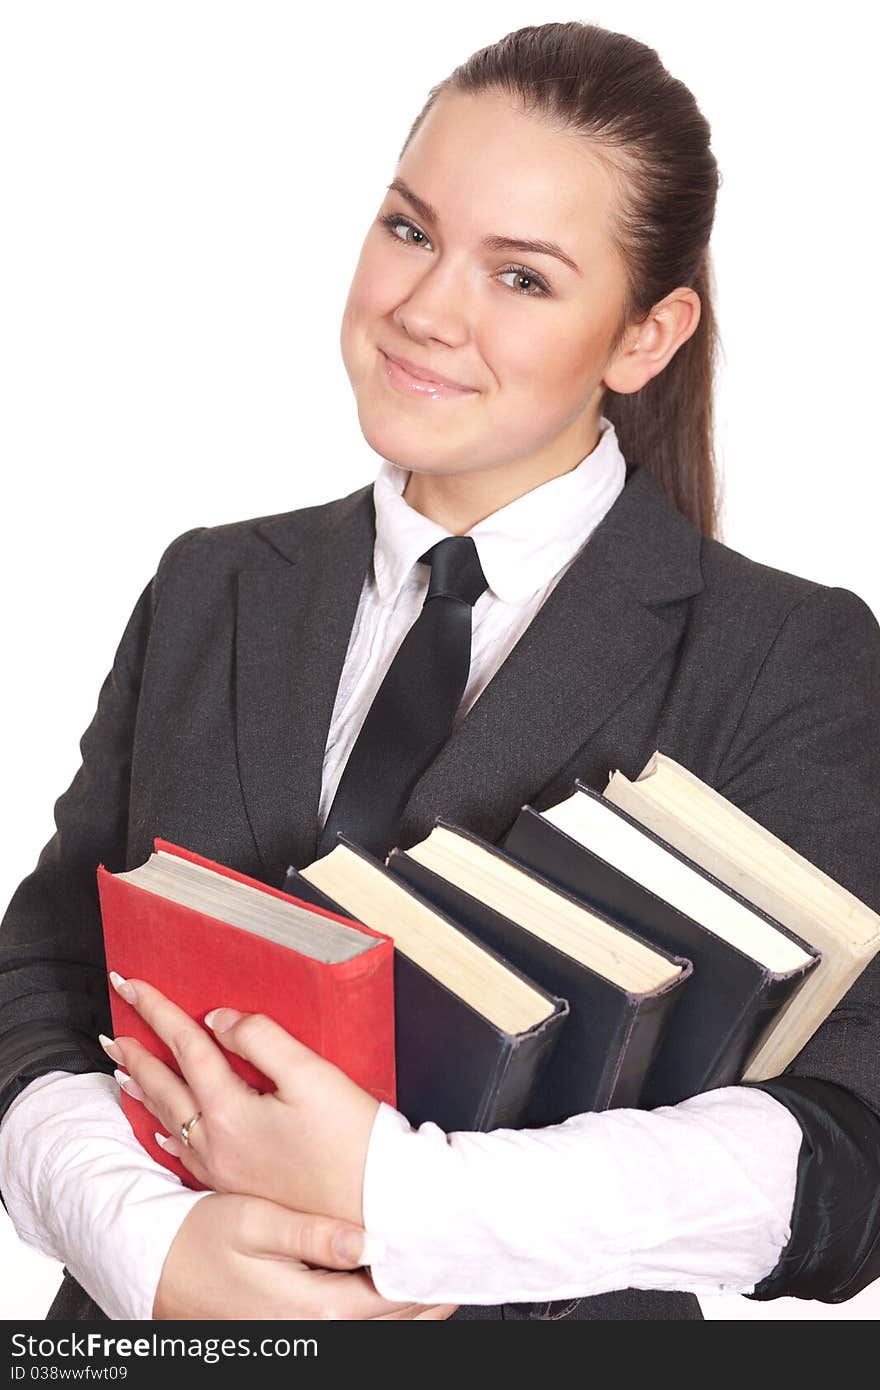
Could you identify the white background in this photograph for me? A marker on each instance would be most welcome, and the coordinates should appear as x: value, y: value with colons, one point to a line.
x: 185, y: 190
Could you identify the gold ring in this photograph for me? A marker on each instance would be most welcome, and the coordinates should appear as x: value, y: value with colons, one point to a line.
x: 185, y: 1129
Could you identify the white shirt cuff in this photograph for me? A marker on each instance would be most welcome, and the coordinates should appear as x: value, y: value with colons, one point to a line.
x: 694, y: 1197
x: 80, y: 1188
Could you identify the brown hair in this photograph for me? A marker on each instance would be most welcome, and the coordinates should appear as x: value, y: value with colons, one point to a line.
x: 649, y: 131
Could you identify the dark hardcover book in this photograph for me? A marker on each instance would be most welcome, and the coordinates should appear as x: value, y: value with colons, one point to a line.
x: 613, y: 1031
x: 455, y: 1066
x: 732, y: 996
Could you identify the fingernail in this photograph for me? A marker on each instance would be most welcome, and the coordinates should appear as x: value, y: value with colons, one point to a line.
x: 110, y: 1048
x: 357, y: 1247
x: 161, y: 1139
x: 221, y: 1019
x: 127, y: 1084
x: 123, y: 987
x: 348, y: 1246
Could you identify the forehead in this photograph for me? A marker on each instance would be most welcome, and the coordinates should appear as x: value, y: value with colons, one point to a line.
x: 489, y: 167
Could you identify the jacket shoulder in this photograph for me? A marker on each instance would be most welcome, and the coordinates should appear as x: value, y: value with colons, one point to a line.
x: 739, y: 589
x: 258, y: 542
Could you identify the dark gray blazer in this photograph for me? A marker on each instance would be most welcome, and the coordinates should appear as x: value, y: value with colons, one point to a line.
x: 210, y: 732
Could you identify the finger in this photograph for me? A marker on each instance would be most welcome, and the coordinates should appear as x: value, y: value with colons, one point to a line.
x: 161, y: 1090
x: 417, y: 1311
x: 133, y: 1084
x: 262, y: 1041
x: 186, y: 1154
x: 201, y: 1062
x: 344, y: 1297
x: 276, y: 1232
x: 267, y: 1229
x: 328, y: 1244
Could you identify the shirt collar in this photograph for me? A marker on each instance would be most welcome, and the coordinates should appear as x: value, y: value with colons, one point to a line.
x: 523, y: 545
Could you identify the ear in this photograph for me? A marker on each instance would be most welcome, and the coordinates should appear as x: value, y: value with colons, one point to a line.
x: 649, y: 345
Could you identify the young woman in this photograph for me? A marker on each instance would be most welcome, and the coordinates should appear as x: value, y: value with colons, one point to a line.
x: 530, y: 339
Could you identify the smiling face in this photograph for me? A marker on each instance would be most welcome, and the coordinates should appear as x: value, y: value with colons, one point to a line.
x: 530, y: 334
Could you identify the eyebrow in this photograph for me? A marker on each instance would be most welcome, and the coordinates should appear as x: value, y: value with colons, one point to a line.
x: 492, y: 243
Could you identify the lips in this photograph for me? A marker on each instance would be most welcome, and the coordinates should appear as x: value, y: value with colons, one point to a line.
x: 431, y: 378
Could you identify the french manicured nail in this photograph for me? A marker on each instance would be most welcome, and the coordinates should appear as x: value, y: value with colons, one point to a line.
x: 348, y: 1246
x: 123, y: 987
x: 357, y: 1247
x: 129, y: 1085
x: 222, y: 1018
x: 161, y: 1139
x: 110, y: 1048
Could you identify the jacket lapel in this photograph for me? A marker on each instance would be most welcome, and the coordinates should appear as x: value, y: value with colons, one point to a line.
x: 609, y: 620
x: 292, y: 630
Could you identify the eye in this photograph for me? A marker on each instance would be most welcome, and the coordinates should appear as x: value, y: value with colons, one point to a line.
x: 522, y: 273
x: 539, y: 287
x: 391, y: 221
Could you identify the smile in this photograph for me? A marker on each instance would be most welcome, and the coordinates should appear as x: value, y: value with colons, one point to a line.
x: 403, y: 381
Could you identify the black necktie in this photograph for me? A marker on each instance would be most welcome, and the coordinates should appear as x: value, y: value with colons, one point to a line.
x: 412, y: 714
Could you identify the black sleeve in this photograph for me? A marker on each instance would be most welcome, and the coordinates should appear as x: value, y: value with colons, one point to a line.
x: 53, y: 987
x: 805, y: 763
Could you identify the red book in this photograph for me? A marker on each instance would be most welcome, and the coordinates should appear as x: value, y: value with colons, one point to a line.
x: 325, y: 978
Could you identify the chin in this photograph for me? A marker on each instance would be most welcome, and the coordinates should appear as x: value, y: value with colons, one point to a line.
x: 406, y: 442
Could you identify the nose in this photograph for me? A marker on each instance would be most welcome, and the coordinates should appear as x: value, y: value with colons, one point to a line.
x: 436, y: 307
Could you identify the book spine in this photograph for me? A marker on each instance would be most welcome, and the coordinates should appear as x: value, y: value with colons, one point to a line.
x: 780, y: 995
x: 520, y: 1064
x: 726, y: 1065
x: 358, y: 1016
x: 570, y: 1085
x: 632, y: 1054
x: 715, y: 1024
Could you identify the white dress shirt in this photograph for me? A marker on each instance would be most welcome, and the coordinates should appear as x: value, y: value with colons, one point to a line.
x: 525, y: 548
x: 696, y: 1196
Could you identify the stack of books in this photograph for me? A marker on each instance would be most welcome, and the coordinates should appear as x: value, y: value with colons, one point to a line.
x: 629, y: 948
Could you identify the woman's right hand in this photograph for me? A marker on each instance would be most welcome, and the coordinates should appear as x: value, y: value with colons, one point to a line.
x: 245, y: 1257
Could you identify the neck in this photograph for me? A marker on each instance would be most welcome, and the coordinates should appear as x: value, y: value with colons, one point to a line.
x: 458, y: 501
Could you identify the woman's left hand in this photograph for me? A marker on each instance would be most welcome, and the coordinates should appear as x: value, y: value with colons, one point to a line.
x: 303, y: 1145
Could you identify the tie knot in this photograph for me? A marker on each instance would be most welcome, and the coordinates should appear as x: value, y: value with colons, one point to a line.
x: 456, y: 571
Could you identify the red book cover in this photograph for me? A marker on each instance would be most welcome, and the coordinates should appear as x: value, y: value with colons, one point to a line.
x: 344, y: 1010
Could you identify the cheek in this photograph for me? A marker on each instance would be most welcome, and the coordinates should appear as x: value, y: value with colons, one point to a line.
x: 357, y: 307
x: 545, y: 363
x: 370, y: 302
x: 377, y: 285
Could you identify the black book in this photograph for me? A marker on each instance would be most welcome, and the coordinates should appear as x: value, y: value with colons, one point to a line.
x: 473, y: 1035
x: 746, y: 964
x: 621, y: 989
